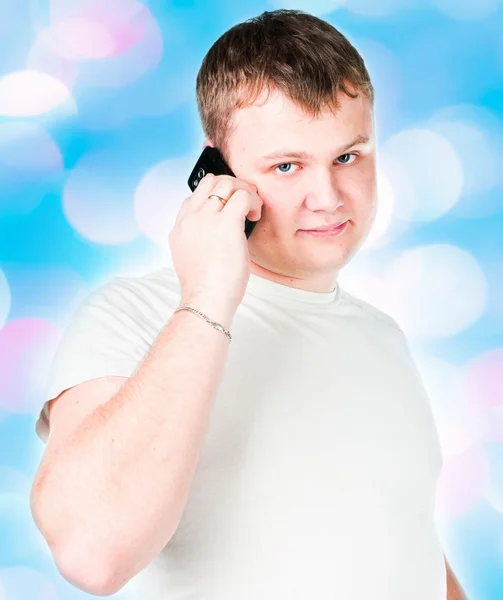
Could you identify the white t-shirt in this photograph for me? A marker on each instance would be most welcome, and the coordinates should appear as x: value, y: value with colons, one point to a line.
x: 318, y: 472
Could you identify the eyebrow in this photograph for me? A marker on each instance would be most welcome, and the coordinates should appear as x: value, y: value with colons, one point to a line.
x: 360, y: 139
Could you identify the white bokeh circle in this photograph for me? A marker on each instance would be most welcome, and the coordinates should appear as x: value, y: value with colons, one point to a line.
x: 438, y: 290
x: 42, y: 59
x: 481, y: 167
x: 425, y: 173
x: 468, y: 10
x: 462, y: 483
x: 159, y: 196
x: 31, y: 93
x: 476, y: 133
x: 78, y: 39
x: 460, y: 424
x: 98, y: 199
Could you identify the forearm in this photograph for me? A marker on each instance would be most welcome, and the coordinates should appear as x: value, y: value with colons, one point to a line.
x: 116, y: 489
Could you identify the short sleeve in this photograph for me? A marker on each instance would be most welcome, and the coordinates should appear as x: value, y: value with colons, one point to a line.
x: 108, y: 335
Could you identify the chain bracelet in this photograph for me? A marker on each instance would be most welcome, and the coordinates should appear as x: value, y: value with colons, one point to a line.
x: 214, y: 324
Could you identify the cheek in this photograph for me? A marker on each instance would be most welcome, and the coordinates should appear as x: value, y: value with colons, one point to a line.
x: 277, y: 215
x: 361, y: 190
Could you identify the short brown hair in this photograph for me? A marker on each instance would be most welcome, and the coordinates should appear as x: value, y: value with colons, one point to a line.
x: 298, y: 54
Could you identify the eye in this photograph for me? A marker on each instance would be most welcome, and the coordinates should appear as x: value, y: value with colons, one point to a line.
x: 346, y: 158
x: 284, y: 165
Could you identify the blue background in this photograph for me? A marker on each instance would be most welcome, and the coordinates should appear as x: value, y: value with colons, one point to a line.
x: 71, y: 216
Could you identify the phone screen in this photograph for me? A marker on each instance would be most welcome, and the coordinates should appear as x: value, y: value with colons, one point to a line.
x: 212, y: 161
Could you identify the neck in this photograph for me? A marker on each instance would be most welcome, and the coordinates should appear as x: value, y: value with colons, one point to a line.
x: 322, y: 283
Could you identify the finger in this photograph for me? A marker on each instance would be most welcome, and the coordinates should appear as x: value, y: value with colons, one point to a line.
x: 243, y: 204
x: 224, y: 188
x: 202, y: 191
x: 205, y: 188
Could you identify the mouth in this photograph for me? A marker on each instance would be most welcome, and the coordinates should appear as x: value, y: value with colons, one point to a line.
x: 331, y: 227
x: 327, y: 230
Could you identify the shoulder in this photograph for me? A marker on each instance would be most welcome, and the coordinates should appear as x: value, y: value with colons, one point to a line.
x: 154, y: 289
x: 145, y: 301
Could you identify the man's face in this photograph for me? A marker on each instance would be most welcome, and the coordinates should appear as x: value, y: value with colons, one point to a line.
x: 337, y: 183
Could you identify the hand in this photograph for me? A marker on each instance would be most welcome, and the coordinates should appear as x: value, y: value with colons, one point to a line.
x: 208, y: 243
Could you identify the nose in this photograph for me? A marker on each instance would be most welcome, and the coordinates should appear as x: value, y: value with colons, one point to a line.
x: 324, y: 193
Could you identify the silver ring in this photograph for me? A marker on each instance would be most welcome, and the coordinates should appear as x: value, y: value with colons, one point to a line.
x: 222, y: 200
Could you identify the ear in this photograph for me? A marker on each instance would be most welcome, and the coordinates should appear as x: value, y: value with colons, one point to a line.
x: 208, y: 143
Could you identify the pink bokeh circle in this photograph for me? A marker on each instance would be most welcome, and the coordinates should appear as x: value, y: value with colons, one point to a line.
x: 26, y: 349
x: 462, y: 483
x: 484, y: 388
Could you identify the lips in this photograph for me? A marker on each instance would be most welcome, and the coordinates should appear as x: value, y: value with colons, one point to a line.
x: 326, y: 227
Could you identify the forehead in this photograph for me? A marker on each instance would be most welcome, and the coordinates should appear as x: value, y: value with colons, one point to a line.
x: 275, y: 117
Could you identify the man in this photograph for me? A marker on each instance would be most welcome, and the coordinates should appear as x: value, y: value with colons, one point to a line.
x: 301, y: 460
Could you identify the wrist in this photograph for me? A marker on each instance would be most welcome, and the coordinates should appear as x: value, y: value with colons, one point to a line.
x: 216, y: 309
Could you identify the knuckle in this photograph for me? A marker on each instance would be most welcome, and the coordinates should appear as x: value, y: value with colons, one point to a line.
x: 219, y: 179
x: 223, y: 189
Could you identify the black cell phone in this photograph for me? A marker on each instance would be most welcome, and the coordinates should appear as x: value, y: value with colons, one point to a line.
x: 212, y: 161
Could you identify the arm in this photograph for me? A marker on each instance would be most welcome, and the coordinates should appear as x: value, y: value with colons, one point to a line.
x: 454, y: 591
x: 110, y: 495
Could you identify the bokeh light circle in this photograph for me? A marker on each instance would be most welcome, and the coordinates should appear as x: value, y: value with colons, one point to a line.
x: 494, y: 426
x: 468, y: 10
x: 131, y: 41
x: 484, y: 378
x: 26, y: 348
x: 42, y: 59
x: 494, y: 492
x: 27, y: 148
x: 159, y: 196
x: 481, y: 169
x: 459, y: 422
x: 438, y: 290
x: 30, y: 161
x: 19, y: 532
x: 98, y: 199
x: 425, y: 173
x: 23, y: 583
x: 90, y: 30
x: 32, y: 93
x: 484, y: 384
x: 477, y: 136
x: 78, y: 39
x: 462, y: 483
x: 41, y: 290
x: 5, y: 298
